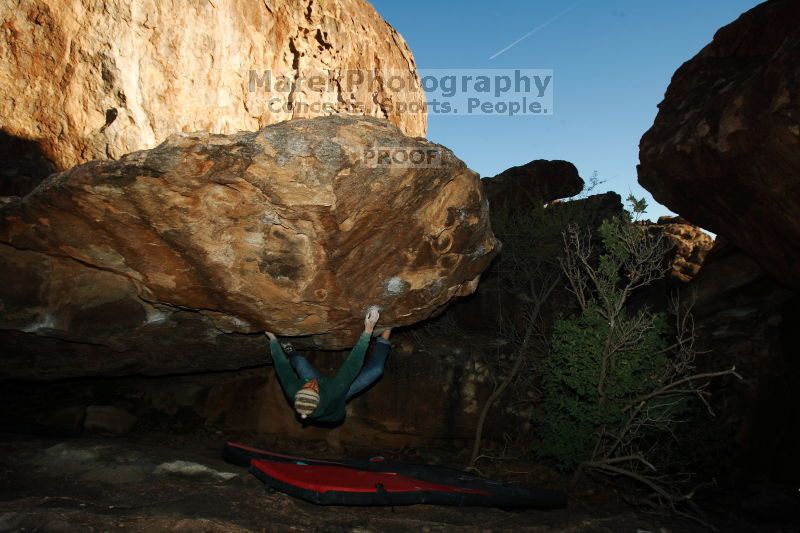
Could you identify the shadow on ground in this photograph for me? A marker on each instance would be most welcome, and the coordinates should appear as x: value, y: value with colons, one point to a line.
x: 179, y: 483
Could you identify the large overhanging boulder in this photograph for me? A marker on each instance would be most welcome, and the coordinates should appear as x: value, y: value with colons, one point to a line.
x: 176, y: 258
x: 97, y: 79
x: 724, y: 151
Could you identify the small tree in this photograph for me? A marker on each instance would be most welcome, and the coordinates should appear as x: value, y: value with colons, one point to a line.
x: 528, y: 269
x: 614, y: 387
x: 530, y: 272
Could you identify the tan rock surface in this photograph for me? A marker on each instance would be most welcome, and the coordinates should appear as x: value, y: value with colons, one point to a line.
x: 689, y: 246
x: 96, y: 79
x: 174, y: 259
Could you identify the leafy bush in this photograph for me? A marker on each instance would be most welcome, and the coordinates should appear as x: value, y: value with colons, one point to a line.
x: 527, y: 272
x: 618, y: 384
x: 575, y: 408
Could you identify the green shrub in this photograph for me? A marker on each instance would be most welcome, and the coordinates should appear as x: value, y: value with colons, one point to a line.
x: 618, y: 385
x: 574, y: 411
x: 605, y: 358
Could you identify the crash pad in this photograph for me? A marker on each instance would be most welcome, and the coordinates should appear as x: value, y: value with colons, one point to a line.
x: 380, y: 482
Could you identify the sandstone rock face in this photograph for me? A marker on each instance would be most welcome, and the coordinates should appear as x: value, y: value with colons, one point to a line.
x: 723, y: 151
x: 688, y: 248
x: 108, y: 420
x: 440, y: 409
x: 22, y: 165
x: 519, y: 190
x: 495, y: 302
x: 96, y: 79
x: 746, y: 319
x: 177, y: 258
x: 690, y: 245
x: 537, y: 182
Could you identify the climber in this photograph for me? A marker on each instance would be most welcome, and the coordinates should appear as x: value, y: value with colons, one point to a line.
x: 323, y: 399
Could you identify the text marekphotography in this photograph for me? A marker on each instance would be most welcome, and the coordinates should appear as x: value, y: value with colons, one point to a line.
x: 449, y: 92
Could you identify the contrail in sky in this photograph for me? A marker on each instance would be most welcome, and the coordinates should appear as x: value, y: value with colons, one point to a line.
x: 537, y: 28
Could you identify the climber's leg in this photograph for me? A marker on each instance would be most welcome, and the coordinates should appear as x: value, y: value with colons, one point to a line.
x: 373, y: 368
x: 303, y: 368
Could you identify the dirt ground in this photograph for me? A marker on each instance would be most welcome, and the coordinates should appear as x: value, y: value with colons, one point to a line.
x: 168, y: 482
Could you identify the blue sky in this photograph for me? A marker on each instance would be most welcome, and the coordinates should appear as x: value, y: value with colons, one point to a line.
x: 612, y: 61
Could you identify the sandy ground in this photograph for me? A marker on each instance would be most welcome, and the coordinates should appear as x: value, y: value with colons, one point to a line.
x: 180, y: 483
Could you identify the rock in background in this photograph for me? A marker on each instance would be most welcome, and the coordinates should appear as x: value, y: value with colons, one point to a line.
x: 430, y: 395
x: 96, y: 79
x: 533, y: 184
x: 746, y: 319
x: 689, y: 246
x: 517, y: 191
x: 723, y: 151
x: 177, y: 258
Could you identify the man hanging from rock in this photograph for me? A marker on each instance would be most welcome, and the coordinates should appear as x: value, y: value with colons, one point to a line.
x: 323, y: 399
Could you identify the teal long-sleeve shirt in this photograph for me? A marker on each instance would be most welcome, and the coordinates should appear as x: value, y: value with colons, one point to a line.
x: 332, y: 391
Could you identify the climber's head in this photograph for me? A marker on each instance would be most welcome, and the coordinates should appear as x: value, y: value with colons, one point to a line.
x: 307, y: 398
